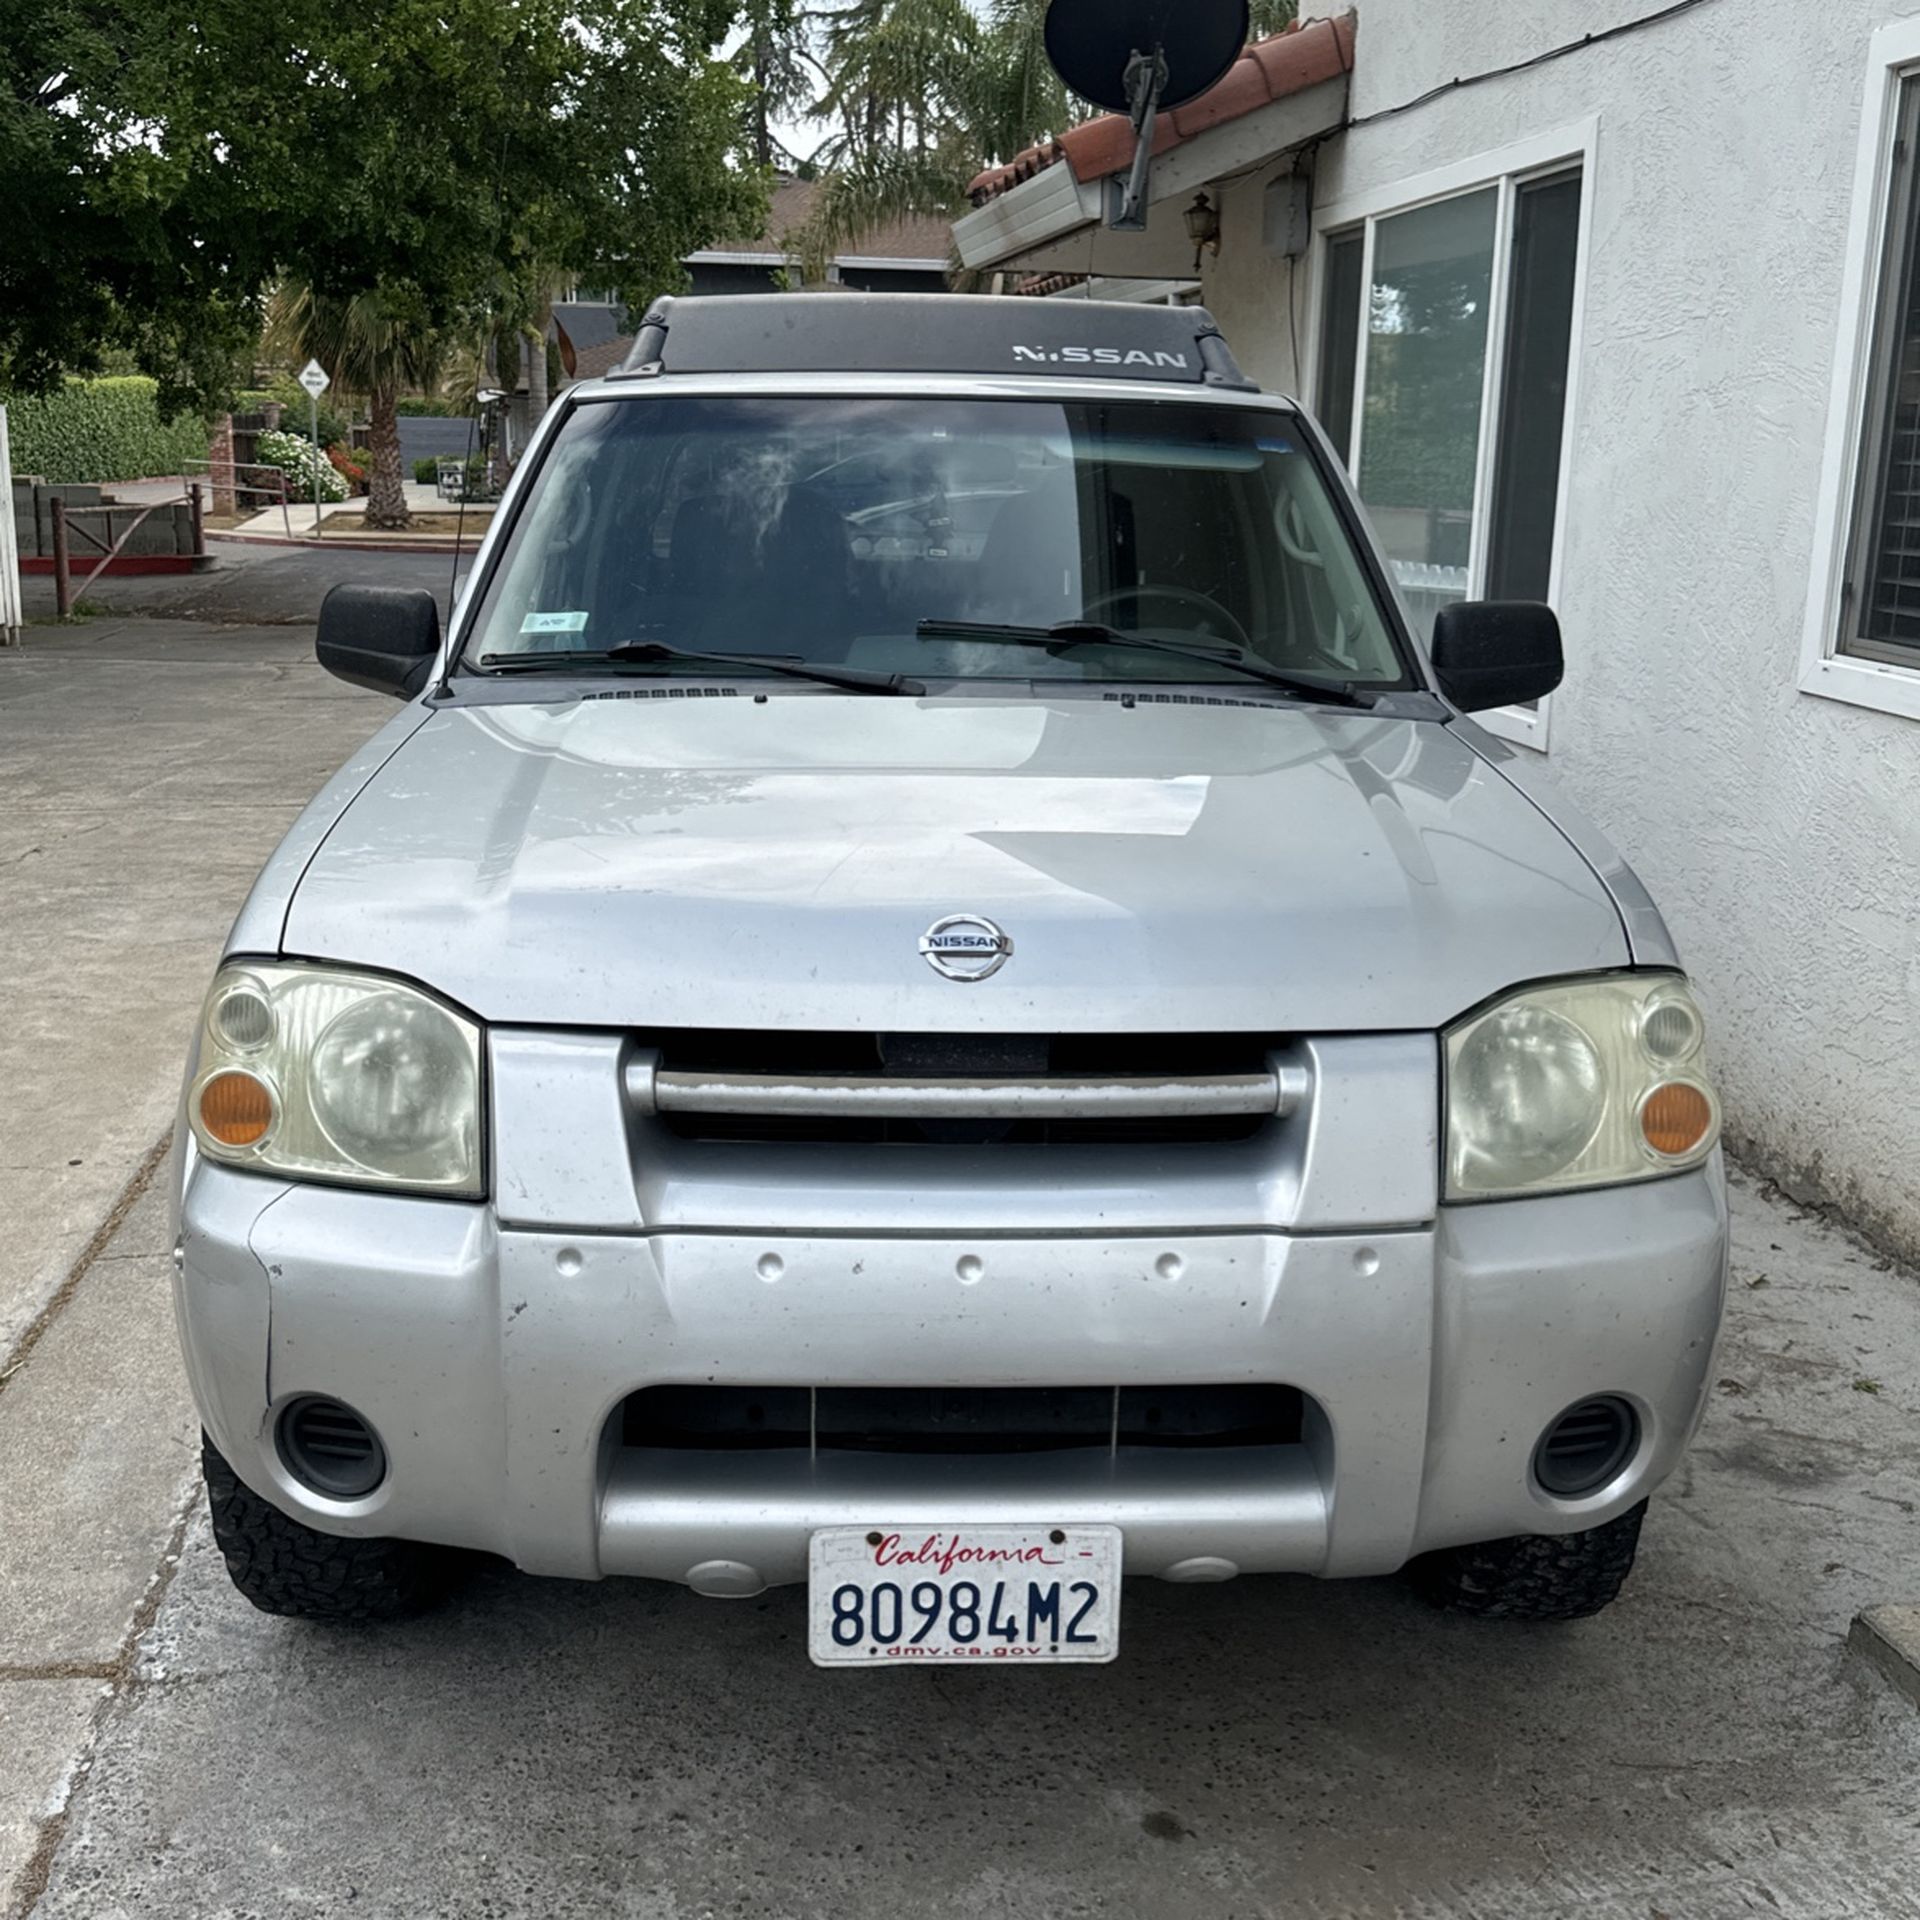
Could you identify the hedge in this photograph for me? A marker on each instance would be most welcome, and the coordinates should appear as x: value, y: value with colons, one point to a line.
x: 105, y: 429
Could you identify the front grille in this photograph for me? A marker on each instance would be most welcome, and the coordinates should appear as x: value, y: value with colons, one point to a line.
x: 862, y: 1055
x: 847, y: 1131
x: 958, y: 1420
x: 871, y: 1058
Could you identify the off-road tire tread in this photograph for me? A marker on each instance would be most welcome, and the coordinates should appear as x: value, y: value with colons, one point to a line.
x: 287, y: 1568
x: 1534, y: 1576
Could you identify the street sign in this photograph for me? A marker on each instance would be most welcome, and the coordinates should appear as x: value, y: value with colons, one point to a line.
x: 313, y: 376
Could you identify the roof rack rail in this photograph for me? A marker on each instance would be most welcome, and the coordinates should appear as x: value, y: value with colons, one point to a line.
x: 931, y: 333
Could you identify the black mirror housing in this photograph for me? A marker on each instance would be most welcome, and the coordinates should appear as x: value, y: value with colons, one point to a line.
x: 1496, y: 653
x: 383, y: 638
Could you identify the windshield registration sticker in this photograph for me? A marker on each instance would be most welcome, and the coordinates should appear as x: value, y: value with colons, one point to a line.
x: 554, y: 623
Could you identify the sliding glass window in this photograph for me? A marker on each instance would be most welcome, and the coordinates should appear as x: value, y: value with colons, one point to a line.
x: 1445, y: 335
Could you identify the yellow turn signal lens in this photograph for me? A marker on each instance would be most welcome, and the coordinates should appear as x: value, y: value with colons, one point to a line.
x: 236, y: 1109
x: 1675, y: 1118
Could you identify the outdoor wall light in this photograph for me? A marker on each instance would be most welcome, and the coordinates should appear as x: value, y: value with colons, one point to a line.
x: 1203, y: 227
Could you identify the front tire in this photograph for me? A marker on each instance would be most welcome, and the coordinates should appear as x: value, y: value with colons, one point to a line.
x: 285, y: 1567
x: 1534, y: 1576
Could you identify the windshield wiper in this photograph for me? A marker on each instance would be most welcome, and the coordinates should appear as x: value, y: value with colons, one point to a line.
x: 853, y: 679
x: 1079, y: 633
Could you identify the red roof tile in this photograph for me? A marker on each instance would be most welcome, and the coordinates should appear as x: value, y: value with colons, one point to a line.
x: 1301, y: 56
x: 1038, y: 286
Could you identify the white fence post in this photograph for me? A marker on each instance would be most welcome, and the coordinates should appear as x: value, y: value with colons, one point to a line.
x: 12, y: 614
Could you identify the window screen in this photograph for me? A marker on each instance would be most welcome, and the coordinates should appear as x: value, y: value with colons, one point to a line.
x: 1881, y: 604
x: 1533, y: 388
x: 1340, y: 340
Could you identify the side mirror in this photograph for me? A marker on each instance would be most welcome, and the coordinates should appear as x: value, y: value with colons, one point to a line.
x: 1496, y: 653
x: 384, y: 638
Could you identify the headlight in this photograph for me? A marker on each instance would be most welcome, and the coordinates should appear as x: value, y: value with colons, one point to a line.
x: 1581, y: 1084
x: 330, y: 1075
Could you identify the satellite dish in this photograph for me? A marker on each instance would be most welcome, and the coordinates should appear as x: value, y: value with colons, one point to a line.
x: 1137, y: 56
x: 1091, y: 43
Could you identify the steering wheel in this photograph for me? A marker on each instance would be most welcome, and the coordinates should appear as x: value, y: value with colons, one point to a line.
x: 1189, y: 597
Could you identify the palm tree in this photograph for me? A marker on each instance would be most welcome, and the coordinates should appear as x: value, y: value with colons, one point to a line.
x: 923, y: 94
x: 370, y: 343
x: 898, y: 75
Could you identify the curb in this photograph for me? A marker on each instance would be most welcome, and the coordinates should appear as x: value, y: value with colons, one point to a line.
x: 1889, y: 1638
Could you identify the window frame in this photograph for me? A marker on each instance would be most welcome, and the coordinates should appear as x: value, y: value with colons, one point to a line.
x: 1507, y: 169
x: 1827, y: 668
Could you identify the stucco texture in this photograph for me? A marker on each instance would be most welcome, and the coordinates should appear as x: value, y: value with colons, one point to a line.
x: 1779, y: 831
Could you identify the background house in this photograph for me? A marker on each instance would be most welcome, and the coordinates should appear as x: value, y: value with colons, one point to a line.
x: 1617, y: 306
x: 905, y: 256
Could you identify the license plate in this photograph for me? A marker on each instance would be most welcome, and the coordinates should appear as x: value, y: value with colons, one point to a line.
x: 881, y: 1596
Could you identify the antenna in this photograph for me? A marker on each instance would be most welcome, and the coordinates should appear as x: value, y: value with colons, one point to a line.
x: 1137, y: 57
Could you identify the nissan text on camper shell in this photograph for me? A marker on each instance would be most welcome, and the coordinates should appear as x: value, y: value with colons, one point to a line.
x: 930, y: 993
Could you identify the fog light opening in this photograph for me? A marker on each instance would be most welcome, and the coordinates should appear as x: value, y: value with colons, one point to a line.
x: 1586, y: 1447
x: 329, y: 1448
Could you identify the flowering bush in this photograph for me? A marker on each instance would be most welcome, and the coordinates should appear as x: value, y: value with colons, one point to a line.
x: 350, y: 466
x: 300, y: 462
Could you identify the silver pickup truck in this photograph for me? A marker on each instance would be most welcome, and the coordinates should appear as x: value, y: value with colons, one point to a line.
x: 930, y: 993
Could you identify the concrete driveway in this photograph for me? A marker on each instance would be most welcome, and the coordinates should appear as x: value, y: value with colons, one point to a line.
x: 1270, y: 1747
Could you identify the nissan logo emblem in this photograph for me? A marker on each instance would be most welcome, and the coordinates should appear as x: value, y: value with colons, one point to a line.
x: 965, y: 947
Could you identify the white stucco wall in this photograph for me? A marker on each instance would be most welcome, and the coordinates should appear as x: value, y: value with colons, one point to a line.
x: 1780, y: 832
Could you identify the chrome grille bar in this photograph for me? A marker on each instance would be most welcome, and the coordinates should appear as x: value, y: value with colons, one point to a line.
x: 1279, y: 1091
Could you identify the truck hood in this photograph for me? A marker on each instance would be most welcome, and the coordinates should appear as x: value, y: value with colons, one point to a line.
x: 726, y: 862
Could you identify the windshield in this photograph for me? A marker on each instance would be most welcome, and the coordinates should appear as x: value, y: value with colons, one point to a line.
x: 860, y: 531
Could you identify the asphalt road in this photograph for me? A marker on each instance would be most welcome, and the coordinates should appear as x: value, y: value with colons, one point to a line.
x: 1272, y: 1747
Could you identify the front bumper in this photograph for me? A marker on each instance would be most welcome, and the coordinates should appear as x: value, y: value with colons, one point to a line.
x: 493, y: 1362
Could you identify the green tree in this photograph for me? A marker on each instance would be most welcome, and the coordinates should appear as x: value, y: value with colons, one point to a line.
x: 775, y: 58
x: 422, y: 167
x: 401, y: 161
x: 103, y: 251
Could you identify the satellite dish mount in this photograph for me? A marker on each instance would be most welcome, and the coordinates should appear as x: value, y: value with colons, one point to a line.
x: 1140, y: 57
x: 1146, y: 81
